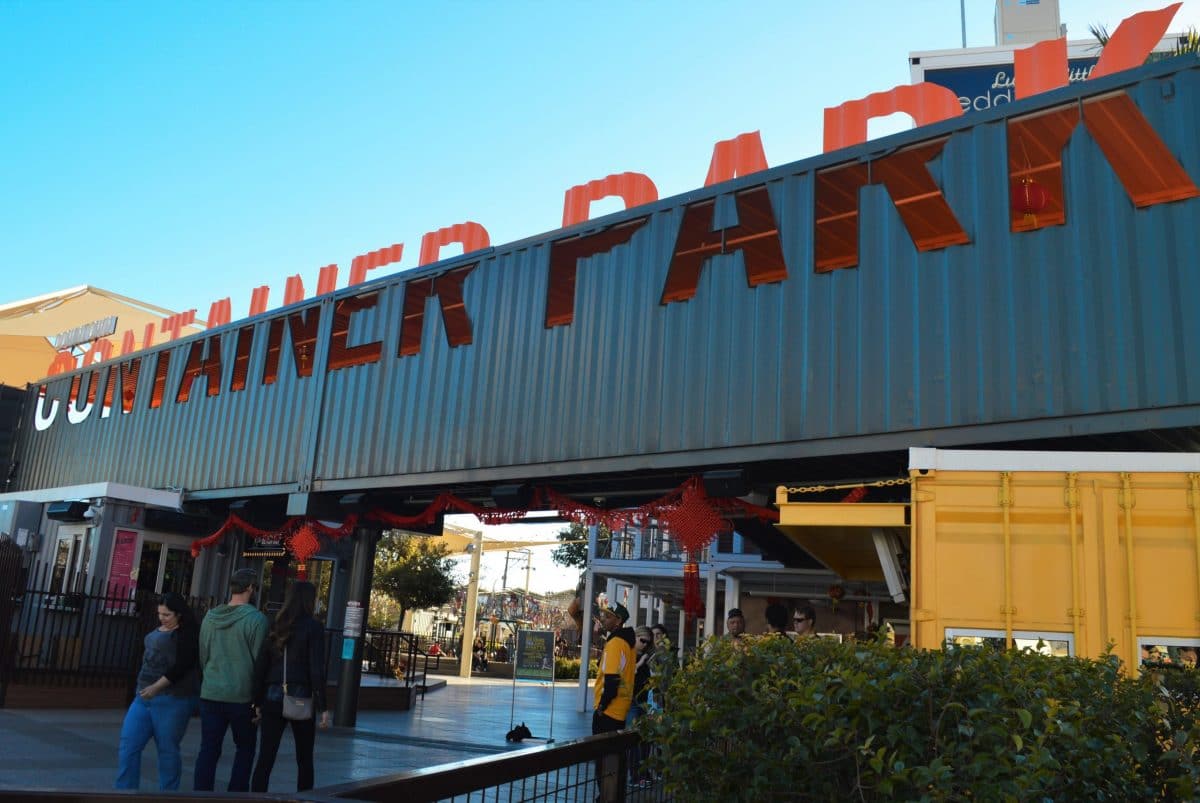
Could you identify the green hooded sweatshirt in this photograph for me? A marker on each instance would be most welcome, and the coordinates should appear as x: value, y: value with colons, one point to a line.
x: 231, y: 641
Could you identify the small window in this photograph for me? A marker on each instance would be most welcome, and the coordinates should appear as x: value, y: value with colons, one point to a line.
x: 1169, y: 651
x: 1059, y: 645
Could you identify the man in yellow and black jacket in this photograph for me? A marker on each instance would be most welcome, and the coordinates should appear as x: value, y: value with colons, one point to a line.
x: 614, y: 681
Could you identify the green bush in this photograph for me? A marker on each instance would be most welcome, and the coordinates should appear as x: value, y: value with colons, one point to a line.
x: 568, y: 668
x: 825, y: 721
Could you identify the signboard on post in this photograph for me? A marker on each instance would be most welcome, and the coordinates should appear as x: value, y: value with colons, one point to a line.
x: 535, y: 655
x: 354, y: 619
x: 351, y: 628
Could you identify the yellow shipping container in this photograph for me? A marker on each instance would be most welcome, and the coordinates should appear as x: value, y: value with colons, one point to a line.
x: 1075, y: 550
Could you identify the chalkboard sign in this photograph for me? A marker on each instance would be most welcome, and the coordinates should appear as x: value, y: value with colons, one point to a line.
x: 535, y: 655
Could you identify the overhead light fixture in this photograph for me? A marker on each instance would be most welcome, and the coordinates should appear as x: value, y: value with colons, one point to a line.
x: 356, y: 502
x: 725, y: 482
x: 512, y: 497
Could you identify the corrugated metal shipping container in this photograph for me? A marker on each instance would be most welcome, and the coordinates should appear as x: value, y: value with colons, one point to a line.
x: 1076, y: 550
x: 1070, y: 328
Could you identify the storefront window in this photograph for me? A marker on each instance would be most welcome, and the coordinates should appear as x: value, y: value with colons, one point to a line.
x: 164, y: 567
x: 1059, y: 645
x: 1169, y: 651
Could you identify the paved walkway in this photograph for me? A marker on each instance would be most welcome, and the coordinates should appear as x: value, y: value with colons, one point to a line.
x: 53, y: 749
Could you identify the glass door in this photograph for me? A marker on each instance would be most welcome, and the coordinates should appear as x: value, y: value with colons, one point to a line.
x: 148, y: 565
x: 177, y: 571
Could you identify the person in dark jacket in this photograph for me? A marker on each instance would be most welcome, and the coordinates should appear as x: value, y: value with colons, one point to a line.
x: 644, y: 651
x: 167, y: 689
x: 297, y: 638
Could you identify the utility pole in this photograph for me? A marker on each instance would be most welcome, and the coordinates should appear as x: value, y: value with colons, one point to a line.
x: 528, y: 569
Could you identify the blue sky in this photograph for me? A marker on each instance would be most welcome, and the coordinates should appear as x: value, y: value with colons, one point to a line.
x: 184, y: 152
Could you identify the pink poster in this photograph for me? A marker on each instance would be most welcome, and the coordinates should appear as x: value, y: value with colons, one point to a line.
x: 120, y: 571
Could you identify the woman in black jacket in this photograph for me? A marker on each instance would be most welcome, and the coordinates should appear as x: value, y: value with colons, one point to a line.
x: 297, y: 637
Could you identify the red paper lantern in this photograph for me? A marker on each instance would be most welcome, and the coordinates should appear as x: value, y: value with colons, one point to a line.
x: 1028, y: 197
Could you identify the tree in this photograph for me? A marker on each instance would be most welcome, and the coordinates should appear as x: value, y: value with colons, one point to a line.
x: 572, y: 551
x: 1189, y: 42
x: 414, y: 571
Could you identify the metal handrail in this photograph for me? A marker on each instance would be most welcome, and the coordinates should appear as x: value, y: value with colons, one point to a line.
x: 472, y: 775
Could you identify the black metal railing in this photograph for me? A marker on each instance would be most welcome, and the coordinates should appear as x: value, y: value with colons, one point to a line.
x: 643, y: 543
x: 77, y: 634
x: 398, y: 655
x: 580, y: 771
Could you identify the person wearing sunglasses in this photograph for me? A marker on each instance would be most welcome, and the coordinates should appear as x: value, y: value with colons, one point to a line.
x: 804, y: 621
x: 643, y: 647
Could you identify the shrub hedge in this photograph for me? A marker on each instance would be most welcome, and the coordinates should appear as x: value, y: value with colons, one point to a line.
x: 568, y: 668
x: 767, y: 719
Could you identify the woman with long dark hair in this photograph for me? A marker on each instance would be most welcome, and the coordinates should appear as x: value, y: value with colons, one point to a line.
x: 168, y: 684
x: 295, y: 646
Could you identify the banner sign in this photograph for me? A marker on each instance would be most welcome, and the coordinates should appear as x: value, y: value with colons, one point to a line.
x: 535, y: 655
x: 120, y: 570
x: 982, y: 87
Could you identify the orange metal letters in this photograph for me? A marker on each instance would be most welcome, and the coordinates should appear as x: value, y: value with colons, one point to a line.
x: 634, y: 189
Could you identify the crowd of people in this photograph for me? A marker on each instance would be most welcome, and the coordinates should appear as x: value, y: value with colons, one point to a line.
x: 631, y: 657
x: 247, y: 675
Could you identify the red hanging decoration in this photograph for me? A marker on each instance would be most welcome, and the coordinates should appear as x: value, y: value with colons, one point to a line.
x: 692, y: 604
x: 690, y: 515
x: 836, y: 594
x: 303, y: 544
x: 1029, y: 198
x: 693, y: 524
x: 855, y: 495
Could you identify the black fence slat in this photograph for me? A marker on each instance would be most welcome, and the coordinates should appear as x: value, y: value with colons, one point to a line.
x: 90, y: 635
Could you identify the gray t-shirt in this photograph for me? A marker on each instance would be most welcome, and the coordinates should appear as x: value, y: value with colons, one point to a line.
x: 158, y: 659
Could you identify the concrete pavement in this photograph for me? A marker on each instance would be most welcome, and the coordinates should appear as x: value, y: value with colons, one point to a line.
x: 77, y: 750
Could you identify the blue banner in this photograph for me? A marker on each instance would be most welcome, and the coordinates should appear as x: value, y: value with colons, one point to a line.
x: 989, y: 85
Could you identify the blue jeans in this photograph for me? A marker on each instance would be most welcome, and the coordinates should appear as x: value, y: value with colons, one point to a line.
x: 215, y: 718
x: 164, y: 718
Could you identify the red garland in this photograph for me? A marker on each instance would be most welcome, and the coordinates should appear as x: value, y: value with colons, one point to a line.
x: 855, y: 495
x: 687, y: 512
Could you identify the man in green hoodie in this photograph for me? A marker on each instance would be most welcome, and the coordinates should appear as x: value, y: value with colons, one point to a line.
x: 231, y: 642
